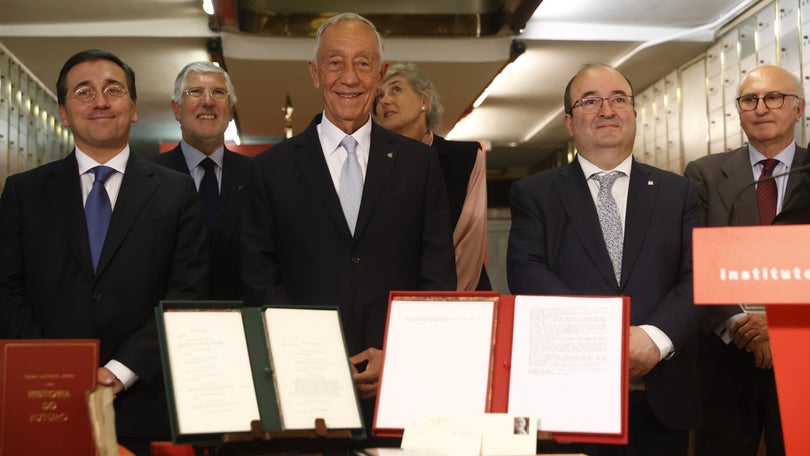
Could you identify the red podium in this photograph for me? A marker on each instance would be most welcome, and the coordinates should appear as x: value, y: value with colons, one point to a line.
x: 766, y: 265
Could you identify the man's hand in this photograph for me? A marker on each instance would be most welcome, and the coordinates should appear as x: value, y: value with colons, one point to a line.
x: 107, y: 378
x: 644, y: 354
x: 367, y: 375
x: 750, y: 329
x: 762, y: 354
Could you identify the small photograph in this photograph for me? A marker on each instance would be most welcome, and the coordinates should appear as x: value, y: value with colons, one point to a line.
x: 521, y: 425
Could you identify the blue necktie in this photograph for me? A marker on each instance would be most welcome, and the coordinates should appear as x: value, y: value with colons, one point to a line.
x: 351, y: 183
x: 609, y: 220
x: 209, y: 192
x: 97, y: 211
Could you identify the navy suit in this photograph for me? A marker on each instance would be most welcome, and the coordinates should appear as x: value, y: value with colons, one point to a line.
x: 154, y: 249
x: 225, y: 281
x: 556, y: 248
x: 298, y: 249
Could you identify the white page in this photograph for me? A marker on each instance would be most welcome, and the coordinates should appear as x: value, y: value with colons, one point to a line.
x: 437, y: 359
x: 567, y: 362
x: 311, y: 369
x: 211, y: 374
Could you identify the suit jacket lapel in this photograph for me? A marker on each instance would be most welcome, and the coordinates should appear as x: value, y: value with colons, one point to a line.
x: 381, y: 162
x: 69, y: 210
x: 641, y: 194
x: 176, y: 160
x: 794, y: 179
x: 136, y: 190
x: 736, y: 190
x: 230, y: 192
x: 573, y: 191
x: 313, y: 166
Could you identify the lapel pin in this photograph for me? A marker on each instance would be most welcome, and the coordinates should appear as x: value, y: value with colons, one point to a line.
x: 650, y: 183
x: 390, y: 155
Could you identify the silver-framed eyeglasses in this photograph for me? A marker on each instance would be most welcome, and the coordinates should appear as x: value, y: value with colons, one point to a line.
x: 216, y: 93
x: 773, y: 100
x: 593, y: 104
x: 88, y: 94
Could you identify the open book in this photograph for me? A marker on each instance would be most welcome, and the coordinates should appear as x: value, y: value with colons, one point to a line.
x: 561, y: 359
x: 226, y: 366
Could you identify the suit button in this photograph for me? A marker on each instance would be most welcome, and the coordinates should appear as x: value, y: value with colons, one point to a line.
x: 97, y: 297
x: 355, y: 259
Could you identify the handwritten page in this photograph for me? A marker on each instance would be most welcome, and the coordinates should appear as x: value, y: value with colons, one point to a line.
x: 210, y: 369
x: 567, y: 363
x: 437, y: 360
x: 311, y: 368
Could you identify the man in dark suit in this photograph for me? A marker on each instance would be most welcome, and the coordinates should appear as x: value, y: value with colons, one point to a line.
x: 316, y: 235
x: 58, y: 279
x: 574, y: 232
x: 737, y: 382
x: 204, y: 102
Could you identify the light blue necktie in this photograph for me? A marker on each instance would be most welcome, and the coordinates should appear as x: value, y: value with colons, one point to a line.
x: 609, y: 219
x: 351, y: 183
x: 97, y: 211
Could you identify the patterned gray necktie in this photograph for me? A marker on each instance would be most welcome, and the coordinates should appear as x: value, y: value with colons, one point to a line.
x: 609, y: 219
x: 351, y: 183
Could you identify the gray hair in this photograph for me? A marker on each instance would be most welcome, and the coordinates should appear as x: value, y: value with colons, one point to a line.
x: 346, y: 17
x: 568, y: 103
x: 422, y: 85
x: 201, y: 67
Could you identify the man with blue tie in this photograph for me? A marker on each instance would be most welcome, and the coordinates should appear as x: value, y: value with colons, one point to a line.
x: 608, y: 225
x: 204, y: 102
x: 91, y: 243
x: 346, y: 211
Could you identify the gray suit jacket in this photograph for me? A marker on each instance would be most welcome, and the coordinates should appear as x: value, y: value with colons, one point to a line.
x: 728, y: 197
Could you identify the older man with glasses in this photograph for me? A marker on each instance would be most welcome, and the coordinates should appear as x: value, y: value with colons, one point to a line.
x: 204, y: 102
x: 739, y: 395
x: 606, y: 225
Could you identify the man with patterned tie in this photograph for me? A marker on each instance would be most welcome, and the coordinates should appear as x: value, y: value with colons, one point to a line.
x: 204, y: 102
x: 347, y: 211
x: 606, y: 224
x: 91, y: 243
x: 737, y: 382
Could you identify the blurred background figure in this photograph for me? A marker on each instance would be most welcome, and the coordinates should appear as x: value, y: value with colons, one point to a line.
x: 409, y: 105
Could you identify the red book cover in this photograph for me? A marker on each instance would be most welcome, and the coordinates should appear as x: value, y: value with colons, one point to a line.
x: 42, y: 396
x: 500, y: 371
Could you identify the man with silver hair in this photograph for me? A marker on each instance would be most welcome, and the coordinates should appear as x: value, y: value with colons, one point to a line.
x: 346, y: 211
x: 204, y: 103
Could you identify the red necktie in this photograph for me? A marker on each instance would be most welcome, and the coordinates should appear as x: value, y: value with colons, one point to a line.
x: 766, y: 192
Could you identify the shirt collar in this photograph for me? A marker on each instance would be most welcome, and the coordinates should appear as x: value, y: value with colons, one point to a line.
x: 118, y: 162
x: 785, y: 156
x: 589, y: 169
x: 331, y: 136
x: 193, y: 156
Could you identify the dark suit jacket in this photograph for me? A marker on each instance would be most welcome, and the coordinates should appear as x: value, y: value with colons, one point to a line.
x: 225, y: 281
x: 727, y: 196
x: 796, y: 208
x: 298, y: 247
x: 155, y: 249
x: 556, y: 247
x: 457, y: 159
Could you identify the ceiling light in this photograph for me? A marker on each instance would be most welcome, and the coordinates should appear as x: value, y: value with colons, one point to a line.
x: 208, y: 7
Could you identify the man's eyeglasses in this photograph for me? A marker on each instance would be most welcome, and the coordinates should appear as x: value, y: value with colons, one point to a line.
x: 88, y: 94
x: 593, y: 104
x: 198, y: 92
x: 773, y: 100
